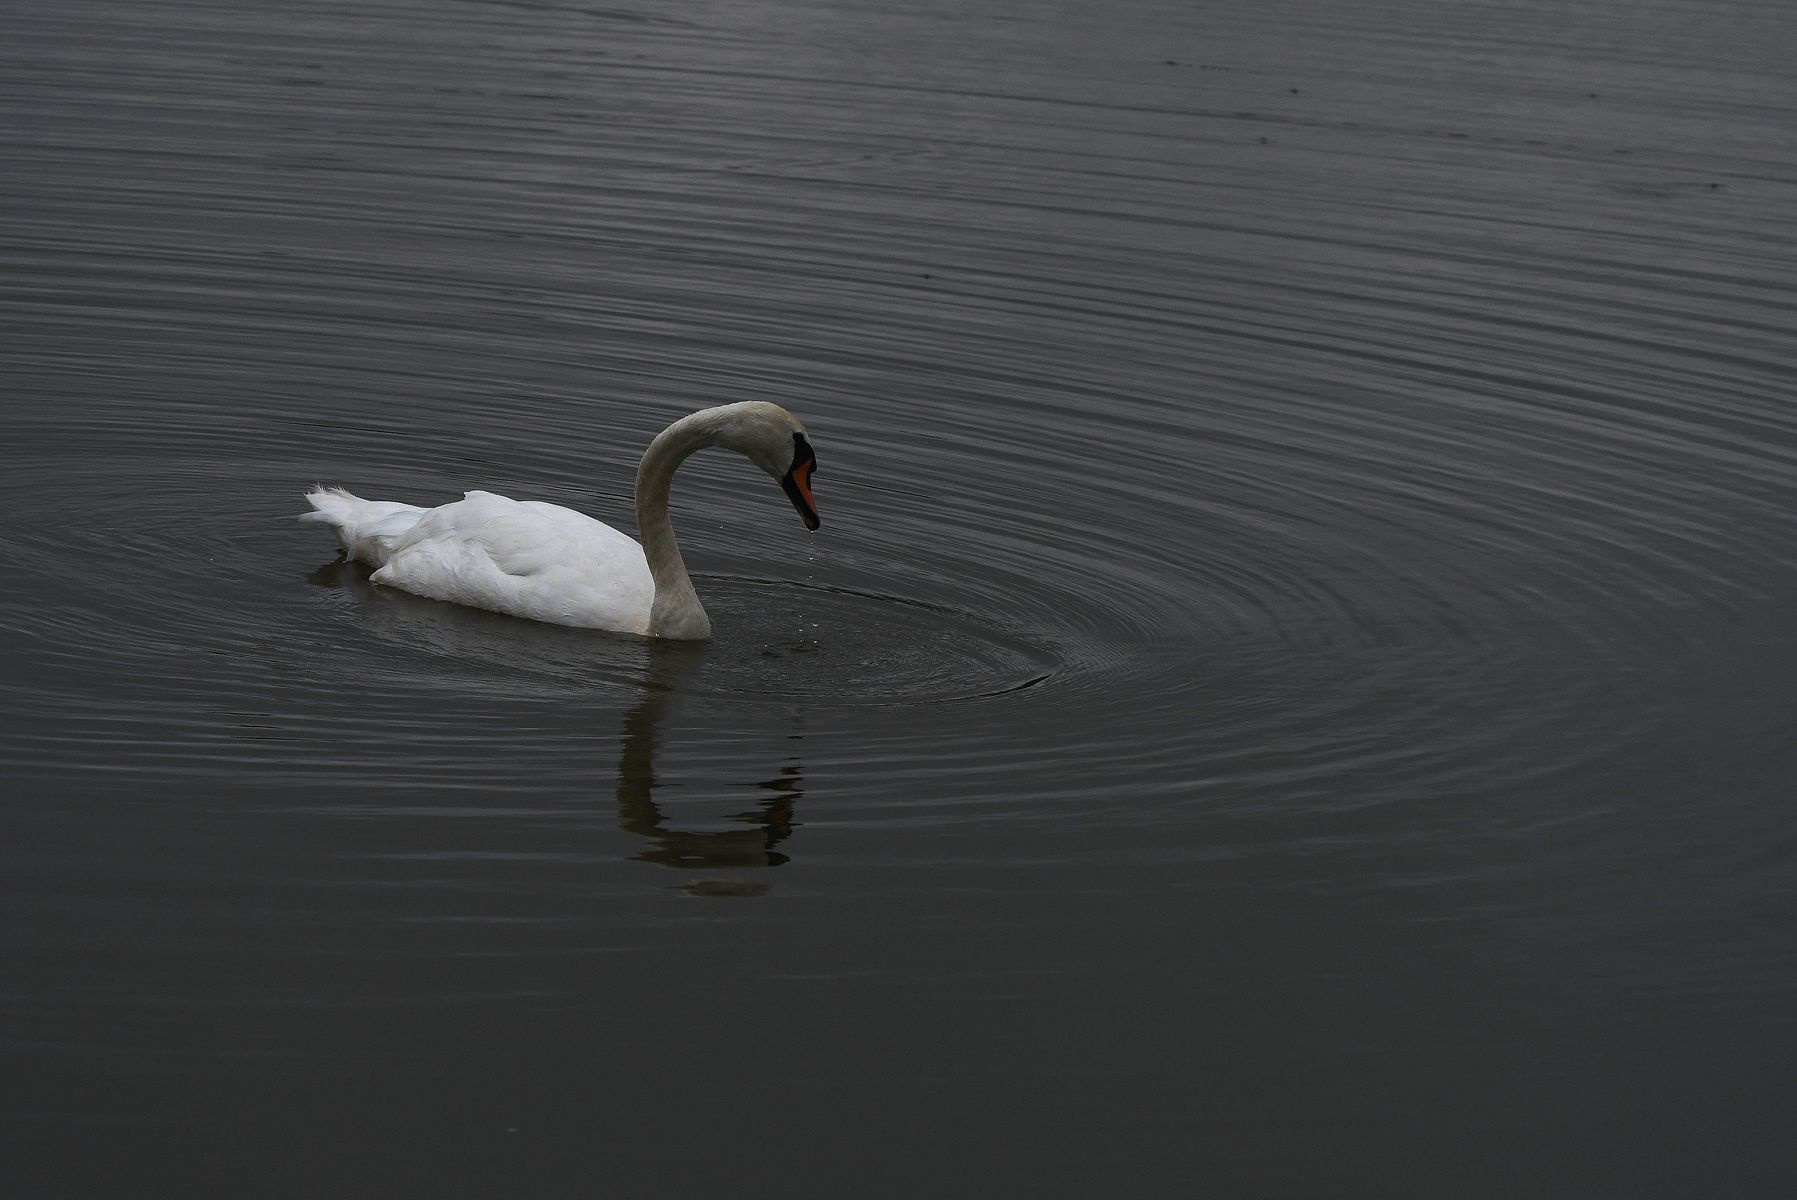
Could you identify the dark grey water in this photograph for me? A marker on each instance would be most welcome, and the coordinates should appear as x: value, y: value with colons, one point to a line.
x: 1292, y: 695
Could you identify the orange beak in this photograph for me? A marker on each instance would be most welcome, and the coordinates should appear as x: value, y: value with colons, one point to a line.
x: 798, y: 489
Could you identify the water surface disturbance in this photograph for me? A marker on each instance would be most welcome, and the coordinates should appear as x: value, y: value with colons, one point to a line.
x: 1291, y: 694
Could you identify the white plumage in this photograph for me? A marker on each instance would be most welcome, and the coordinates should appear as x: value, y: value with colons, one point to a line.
x: 523, y: 557
x: 548, y: 563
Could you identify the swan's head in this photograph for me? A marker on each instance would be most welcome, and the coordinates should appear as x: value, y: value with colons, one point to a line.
x: 772, y: 438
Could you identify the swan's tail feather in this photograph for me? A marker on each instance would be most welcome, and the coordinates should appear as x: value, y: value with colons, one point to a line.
x: 329, y: 503
x: 366, y: 529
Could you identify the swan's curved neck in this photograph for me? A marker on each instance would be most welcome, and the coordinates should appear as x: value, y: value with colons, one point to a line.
x: 676, y: 612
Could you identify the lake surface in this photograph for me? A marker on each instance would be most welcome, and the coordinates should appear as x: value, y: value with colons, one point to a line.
x: 1292, y: 694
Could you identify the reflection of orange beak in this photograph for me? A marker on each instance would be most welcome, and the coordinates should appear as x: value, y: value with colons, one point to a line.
x: 798, y: 489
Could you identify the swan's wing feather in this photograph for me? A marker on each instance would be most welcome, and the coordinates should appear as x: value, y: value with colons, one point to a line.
x: 530, y: 559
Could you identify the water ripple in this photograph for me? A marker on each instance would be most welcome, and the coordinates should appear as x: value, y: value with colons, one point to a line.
x: 1144, y: 450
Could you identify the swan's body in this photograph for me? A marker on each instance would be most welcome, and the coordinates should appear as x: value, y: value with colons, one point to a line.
x: 548, y: 563
x: 522, y: 557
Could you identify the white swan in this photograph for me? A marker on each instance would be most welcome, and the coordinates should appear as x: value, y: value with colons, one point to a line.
x: 550, y: 563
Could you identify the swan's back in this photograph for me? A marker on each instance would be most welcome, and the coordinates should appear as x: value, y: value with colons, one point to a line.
x: 527, y: 558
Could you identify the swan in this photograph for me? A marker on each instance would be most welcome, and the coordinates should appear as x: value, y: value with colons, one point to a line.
x: 544, y: 562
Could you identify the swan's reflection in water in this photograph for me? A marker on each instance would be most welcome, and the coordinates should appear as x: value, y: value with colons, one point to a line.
x: 661, y: 673
x: 763, y: 827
